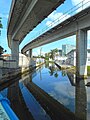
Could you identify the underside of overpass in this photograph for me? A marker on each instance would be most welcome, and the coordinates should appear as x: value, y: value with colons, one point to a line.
x: 25, y: 15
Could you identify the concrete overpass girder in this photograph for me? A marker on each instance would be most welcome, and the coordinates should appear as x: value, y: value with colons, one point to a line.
x: 63, y: 32
x: 25, y: 15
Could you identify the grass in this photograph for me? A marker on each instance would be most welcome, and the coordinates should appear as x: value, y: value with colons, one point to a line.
x: 73, y: 70
x: 88, y: 70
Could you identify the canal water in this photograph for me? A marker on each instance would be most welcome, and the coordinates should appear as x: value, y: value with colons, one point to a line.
x: 38, y: 95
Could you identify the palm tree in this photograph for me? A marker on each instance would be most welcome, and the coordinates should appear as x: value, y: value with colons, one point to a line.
x: 53, y: 52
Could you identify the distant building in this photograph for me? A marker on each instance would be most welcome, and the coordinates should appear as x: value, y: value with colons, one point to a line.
x: 71, y: 57
x: 60, y: 52
x: 67, y: 48
x: 23, y: 60
x: 6, y: 55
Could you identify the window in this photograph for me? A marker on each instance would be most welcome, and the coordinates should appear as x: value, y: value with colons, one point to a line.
x: 88, y: 51
x: 88, y: 59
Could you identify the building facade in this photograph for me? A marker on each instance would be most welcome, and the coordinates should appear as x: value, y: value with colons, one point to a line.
x: 71, y: 57
x: 67, y: 48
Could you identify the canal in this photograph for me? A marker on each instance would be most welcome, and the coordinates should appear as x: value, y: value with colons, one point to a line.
x: 49, y: 94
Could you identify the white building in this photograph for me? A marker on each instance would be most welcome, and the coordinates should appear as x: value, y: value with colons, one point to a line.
x: 66, y: 48
x: 71, y: 58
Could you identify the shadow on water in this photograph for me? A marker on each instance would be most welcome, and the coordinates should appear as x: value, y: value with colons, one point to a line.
x: 32, y: 104
x: 80, y: 99
x: 80, y: 96
x: 53, y: 108
x: 17, y: 102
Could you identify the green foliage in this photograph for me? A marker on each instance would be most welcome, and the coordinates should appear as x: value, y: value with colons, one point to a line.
x: 56, y: 75
x: 46, y: 56
x: 1, y: 50
x: 88, y: 70
x: 1, y: 26
x: 52, y: 53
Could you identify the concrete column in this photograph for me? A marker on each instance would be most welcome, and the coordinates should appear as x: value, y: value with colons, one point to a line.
x: 30, y: 56
x: 15, y: 51
x: 25, y: 53
x: 30, y: 53
x: 81, y: 53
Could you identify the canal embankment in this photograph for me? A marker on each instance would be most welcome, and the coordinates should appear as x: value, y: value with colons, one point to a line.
x: 68, y: 68
x: 13, y: 75
x: 71, y: 69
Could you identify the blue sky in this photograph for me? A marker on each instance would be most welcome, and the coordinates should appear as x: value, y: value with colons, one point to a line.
x: 4, y: 13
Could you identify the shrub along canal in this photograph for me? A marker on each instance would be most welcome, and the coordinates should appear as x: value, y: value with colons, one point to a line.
x: 49, y: 94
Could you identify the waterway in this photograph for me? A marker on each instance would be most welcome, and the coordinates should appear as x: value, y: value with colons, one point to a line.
x: 49, y: 94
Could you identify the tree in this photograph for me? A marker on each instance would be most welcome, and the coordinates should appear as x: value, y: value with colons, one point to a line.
x: 1, y: 26
x: 53, y: 52
x: 1, y: 50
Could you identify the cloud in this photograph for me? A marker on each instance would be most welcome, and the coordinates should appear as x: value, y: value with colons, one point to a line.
x: 37, y: 51
x: 54, y: 15
x: 4, y: 16
x: 55, y: 18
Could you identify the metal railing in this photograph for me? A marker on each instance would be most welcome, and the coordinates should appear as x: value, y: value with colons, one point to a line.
x: 76, y: 9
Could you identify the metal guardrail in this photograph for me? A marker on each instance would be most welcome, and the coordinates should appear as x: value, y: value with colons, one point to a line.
x: 76, y: 9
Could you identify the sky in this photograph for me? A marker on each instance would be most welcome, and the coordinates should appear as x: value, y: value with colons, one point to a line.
x: 68, y: 4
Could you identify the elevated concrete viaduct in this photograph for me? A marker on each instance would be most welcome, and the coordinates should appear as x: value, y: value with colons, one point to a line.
x: 76, y: 25
x: 24, y: 16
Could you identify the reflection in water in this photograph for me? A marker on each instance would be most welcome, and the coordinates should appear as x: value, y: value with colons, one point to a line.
x: 33, y: 106
x: 73, y: 96
x: 53, y: 70
x: 4, y: 92
x: 17, y: 102
x: 72, y: 78
x: 72, y: 93
x: 57, y: 86
x: 55, y: 110
x: 64, y: 73
x: 81, y: 99
x: 80, y: 96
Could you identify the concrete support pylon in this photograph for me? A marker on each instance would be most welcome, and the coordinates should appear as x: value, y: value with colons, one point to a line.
x: 81, y: 53
x: 30, y: 56
x: 15, y: 51
x: 25, y: 53
x: 30, y: 53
